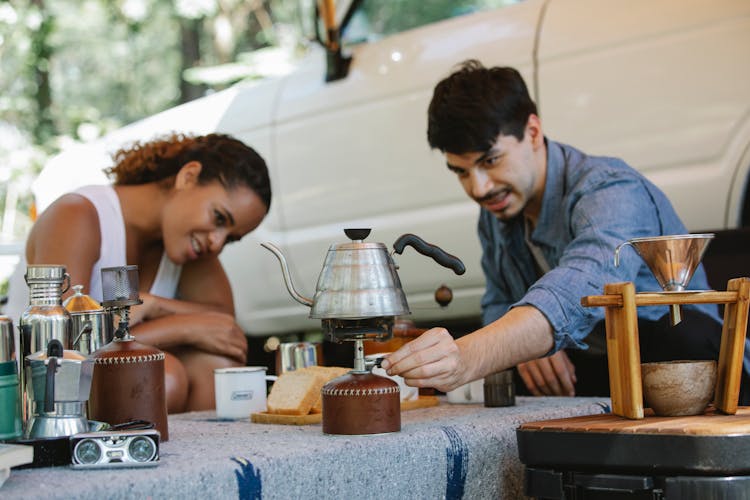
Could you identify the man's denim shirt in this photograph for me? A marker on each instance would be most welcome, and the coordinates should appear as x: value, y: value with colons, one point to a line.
x: 591, y: 204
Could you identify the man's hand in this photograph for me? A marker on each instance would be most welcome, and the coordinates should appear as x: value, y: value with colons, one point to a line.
x: 435, y: 359
x: 431, y: 360
x: 553, y: 375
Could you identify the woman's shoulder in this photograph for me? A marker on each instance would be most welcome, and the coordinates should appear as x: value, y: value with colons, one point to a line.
x: 73, y: 205
x: 70, y: 211
x: 70, y: 225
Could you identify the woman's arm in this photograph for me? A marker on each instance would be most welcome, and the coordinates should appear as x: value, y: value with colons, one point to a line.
x: 203, y: 287
x: 208, y: 331
x: 203, y: 316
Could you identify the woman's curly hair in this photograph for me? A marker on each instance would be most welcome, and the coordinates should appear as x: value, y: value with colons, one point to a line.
x: 222, y: 157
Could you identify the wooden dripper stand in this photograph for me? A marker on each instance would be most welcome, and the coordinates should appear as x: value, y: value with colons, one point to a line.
x: 673, y: 259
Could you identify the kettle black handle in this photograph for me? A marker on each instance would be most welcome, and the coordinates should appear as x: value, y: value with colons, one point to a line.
x: 438, y: 254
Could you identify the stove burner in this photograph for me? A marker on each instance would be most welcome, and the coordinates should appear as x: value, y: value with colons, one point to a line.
x: 378, y: 328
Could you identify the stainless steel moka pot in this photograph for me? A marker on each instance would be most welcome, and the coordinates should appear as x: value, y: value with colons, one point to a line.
x: 58, y: 382
x: 357, y: 298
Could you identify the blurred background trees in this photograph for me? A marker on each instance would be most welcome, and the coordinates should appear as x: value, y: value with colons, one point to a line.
x: 74, y: 70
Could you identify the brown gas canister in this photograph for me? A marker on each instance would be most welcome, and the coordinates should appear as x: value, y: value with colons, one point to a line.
x: 128, y: 384
x: 361, y: 403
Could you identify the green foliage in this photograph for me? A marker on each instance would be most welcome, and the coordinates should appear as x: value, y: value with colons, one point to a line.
x: 116, y: 70
x: 110, y: 62
x: 74, y: 70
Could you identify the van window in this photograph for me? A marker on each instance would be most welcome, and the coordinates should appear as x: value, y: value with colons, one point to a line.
x: 375, y: 19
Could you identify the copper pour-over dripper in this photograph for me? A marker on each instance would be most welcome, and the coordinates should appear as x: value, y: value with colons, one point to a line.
x: 672, y: 259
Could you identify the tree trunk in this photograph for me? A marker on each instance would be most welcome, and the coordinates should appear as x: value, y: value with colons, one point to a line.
x: 190, y: 49
x: 40, y: 57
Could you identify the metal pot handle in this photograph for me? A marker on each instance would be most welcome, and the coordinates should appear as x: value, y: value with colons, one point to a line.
x: 66, y: 282
x: 86, y: 334
x: 54, y: 352
x: 617, y: 252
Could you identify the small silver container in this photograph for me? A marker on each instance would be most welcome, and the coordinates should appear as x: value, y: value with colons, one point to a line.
x: 91, y: 324
x: 291, y: 356
x: 499, y: 389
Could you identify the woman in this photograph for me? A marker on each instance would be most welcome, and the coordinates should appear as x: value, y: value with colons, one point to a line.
x: 174, y: 204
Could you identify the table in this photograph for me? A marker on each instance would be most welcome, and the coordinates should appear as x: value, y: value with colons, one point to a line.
x: 447, y: 451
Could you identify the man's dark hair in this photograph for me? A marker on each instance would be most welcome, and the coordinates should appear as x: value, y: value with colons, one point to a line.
x: 472, y: 106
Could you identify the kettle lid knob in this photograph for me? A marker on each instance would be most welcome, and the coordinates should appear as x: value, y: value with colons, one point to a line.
x: 357, y: 234
x: 55, y: 349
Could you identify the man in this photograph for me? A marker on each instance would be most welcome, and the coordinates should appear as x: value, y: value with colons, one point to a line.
x: 550, y: 221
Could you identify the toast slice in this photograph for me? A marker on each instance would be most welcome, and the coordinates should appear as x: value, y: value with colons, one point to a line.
x: 330, y: 373
x: 295, y: 392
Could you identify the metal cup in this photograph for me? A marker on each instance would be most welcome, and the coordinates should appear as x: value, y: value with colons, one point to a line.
x: 294, y: 355
x: 91, y: 324
x: 7, y: 344
x: 100, y: 330
x: 499, y: 389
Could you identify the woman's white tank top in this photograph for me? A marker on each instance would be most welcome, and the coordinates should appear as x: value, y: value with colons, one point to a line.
x: 112, y: 253
x: 112, y: 249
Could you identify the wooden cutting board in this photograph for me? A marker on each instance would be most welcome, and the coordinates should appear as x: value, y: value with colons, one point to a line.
x: 272, y: 418
x: 420, y: 402
x: 316, y: 418
x: 711, y: 423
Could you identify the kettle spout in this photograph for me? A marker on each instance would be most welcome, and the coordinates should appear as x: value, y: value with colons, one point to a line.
x: 287, y: 276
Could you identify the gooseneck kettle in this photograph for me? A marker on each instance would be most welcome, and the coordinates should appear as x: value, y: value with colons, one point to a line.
x: 359, y: 279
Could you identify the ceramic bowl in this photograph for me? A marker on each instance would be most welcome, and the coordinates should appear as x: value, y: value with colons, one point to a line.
x: 678, y: 388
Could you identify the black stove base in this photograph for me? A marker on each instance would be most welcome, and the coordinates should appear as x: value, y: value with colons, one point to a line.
x: 551, y: 484
x: 565, y: 465
x: 667, y: 454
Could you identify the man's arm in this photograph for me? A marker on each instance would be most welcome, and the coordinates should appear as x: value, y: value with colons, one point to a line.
x: 550, y: 375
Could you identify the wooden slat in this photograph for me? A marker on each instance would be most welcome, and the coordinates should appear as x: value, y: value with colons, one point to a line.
x: 732, y: 349
x: 662, y: 298
x: 623, y: 352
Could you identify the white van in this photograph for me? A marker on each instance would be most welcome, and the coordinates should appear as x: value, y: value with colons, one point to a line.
x: 663, y: 84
